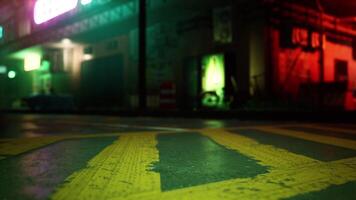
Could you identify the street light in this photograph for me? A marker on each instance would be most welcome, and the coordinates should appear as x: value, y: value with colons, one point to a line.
x: 11, y: 74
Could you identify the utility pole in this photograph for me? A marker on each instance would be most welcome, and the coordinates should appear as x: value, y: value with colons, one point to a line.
x: 142, y: 55
x: 321, y: 42
x: 322, y: 56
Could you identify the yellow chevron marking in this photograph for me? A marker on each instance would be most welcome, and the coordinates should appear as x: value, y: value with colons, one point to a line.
x: 330, y: 128
x: 267, y: 155
x: 277, y: 184
x: 311, y: 137
x: 290, y: 174
x: 120, y: 170
x: 21, y: 145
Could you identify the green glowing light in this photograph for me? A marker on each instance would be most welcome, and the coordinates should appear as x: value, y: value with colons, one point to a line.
x: 3, y: 69
x: 22, y: 54
x: 85, y: 2
x: 213, y: 80
x: 11, y: 74
x: 1, y: 32
x: 32, y: 61
x: 46, y: 65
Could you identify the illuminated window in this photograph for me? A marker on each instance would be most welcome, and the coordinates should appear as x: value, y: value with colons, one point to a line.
x: 300, y: 36
x: 87, y: 57
x: 46, y: 10
x: 315, y: 40
x: 32, y: 62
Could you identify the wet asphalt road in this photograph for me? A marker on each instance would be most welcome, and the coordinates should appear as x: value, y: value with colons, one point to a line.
x: 101, y: 157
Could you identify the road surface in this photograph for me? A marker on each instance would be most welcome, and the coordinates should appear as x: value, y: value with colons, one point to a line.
x: 96, y: 157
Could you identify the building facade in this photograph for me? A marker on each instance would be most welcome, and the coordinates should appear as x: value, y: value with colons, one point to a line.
x: 200, y: 54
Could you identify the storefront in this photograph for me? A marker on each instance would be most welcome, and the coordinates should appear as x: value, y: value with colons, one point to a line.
x: 200, y: 55
x: 314, y: 66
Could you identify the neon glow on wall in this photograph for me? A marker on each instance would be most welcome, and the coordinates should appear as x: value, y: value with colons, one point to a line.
x: 46, y: 10
x: 32, y: 62
x: 213, y: 75
x: 1, y: 32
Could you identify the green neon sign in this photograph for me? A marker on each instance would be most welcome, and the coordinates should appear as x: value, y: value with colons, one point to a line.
x: 213, y: 80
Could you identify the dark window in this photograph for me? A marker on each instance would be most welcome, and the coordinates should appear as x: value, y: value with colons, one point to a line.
x: 341, y: 73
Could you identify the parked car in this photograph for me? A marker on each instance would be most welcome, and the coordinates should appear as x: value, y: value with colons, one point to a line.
x: 50, y: 102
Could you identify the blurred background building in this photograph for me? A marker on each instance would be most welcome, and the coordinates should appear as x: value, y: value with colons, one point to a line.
x: 201, y: 54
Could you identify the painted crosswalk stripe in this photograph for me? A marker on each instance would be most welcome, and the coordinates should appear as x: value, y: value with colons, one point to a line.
x: 36, y: 174
x: 326, y: 132
x: 332, y: 128
x: 189, y: 158
x: 267, y: 155
x: 343, y: 191
x: 120, y: 170
x: 99, y: 135
x: 5, y: 140
x: 124, y: 170
x: 21, y: 145
x: 278, y: 184
x: 311, y: 149
x: 311, y: 137
x: 17, y: 146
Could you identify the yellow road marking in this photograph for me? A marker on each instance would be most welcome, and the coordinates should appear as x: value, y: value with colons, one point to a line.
x: 290, y: 175
x: 275, y: 185
x: 21, y: 145
x: 328, y: 128
x: 262, y: 125
x: 267, y: 155
x: 6, y: 139
x: 120, y: 170
x: 83, y: 136
x: 311, y: 137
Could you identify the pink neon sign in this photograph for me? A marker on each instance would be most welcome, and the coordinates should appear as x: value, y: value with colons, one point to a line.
x: 48, y: 9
